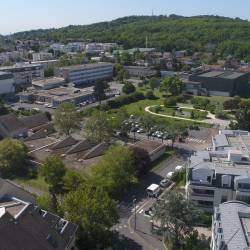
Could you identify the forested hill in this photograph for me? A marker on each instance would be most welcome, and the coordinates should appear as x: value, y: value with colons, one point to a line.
x: 166, y: 33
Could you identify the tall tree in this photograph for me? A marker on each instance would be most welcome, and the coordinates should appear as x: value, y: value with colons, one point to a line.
x: 115, y: 172
x: 177, y: 216
x: 66, y: 119
x: 173, y: 85
x: 95, y: 213
x: 99, y: 127
x: 53, y: 171
x: 13, y: 154
x: 99, y: 90
x: 128, y: 88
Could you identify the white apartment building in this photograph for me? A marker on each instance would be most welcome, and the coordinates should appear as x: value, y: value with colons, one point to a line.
x: 7, y: 83
x: 223, y: 174
x: 25, y: 72
x: 231, y: 226
x: 87, y: 73
x: 96, y: 48
x: 42, y: 56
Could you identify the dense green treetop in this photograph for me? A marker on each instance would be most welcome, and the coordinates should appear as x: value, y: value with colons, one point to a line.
x: 199, y: 33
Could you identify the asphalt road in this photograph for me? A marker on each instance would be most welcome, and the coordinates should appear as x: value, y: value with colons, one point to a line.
x: 142, y: 236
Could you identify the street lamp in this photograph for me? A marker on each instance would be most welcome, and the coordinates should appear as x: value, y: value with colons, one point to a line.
x: 134, y: 202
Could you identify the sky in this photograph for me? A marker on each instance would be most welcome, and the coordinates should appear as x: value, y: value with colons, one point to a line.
x: 21, y: 15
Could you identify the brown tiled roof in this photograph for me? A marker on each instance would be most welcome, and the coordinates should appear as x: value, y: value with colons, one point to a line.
x: 96, y: 151
x: 80, y: 146
x: 44, y: 131
x: 35, y: 120
x: 149, y: 146
x: 68, y: 141
x: 10, y: 125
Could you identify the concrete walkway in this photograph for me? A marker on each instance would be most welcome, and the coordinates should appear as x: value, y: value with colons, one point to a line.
x: 212, y: 119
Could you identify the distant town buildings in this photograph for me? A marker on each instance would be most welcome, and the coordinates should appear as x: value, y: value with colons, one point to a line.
x: 42, y: 56
x: 138, y: 71
x: 84, y: 74
x: 24, y: 72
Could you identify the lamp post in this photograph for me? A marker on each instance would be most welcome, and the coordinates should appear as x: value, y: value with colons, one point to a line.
x: 134, y: 202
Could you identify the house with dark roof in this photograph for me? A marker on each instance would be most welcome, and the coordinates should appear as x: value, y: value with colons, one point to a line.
x: 25, y: 226
x: 11, y: 126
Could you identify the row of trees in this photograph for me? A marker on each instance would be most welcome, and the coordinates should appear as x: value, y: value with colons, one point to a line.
x: 89, y: 200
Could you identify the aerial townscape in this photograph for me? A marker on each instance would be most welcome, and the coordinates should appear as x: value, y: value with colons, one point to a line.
x: 128, y: 134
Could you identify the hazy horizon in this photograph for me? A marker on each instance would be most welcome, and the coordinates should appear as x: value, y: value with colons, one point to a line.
x: 29, y: 15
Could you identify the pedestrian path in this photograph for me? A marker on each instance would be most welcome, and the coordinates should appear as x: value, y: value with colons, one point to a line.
x: 195, y: 140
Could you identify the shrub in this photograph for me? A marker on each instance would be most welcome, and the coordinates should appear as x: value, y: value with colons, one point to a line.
x: 150, y: 95
x: 124, y: 100
x: 128, y: 88
x: 170, y: 101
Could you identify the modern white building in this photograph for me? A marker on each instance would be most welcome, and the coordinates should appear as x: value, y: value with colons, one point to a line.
x: 42, y: 56
x: 223, y: 174
x: 231, y: 226
x: 24, y: 72
x: 87, y: 73
x: 7, y: 83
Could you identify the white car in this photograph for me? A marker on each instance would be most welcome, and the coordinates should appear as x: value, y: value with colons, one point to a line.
x: 178, y: 168
x: 170, y: 175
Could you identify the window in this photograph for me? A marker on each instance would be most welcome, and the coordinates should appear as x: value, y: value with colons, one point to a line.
x: 244, y: 185
x: 223, y: 198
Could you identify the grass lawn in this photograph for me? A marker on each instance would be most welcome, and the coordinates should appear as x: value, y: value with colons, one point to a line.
x: 38, y: 183
x: 138, y: 108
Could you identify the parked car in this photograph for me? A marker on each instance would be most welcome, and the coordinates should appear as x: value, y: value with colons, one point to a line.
x: 140, y: 130
x: 165, y: 183
x: 153, y: 190
x: 178, y: 168
x: 170, y: 175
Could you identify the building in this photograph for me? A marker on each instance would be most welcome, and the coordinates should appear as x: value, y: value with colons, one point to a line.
x: 7, y: 83
x: 155, y: 149
x: 48, y: 83
x: 87, y: 73
x: 220, y: 175
x: 11, y: 126
x: 24, y: 72
x: 220, y: 83
x: 138, y: 71
x: 26, y: 226
x: 10, y: 56
x: 42, y: 56
x: 47, y: 63
x: 54, y: 97
x: 230, y: 226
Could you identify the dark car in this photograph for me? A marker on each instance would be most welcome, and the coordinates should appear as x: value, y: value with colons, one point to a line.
x: 165, y: 183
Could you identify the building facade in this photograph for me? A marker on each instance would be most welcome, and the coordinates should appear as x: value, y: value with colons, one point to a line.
x: 138, y: 71
x: 24, y: 72
x: 42, y: 56
x: 220, y: 175
x: 87, y: 73
x: 7, y: 83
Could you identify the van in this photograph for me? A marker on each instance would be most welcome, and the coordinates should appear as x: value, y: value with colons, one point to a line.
x: 153, y: 190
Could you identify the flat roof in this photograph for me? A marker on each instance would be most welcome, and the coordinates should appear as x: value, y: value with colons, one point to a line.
x: 48, y: 81
x: 222, y: 74
x: 86, y: 66
x: 22, y: 65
